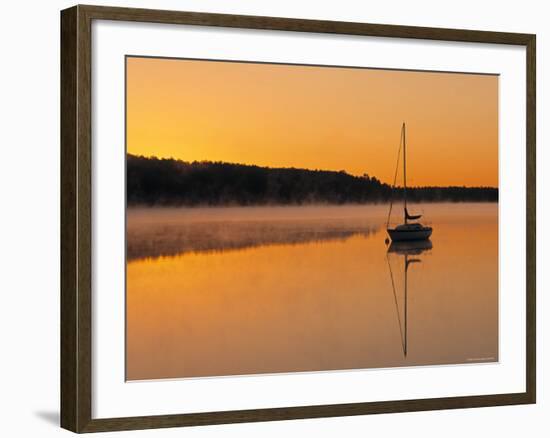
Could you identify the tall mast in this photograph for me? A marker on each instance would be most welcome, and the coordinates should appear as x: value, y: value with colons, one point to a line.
x: 404, y: 170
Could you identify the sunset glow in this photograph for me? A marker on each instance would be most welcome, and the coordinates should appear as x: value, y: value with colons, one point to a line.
x: 316, y: 118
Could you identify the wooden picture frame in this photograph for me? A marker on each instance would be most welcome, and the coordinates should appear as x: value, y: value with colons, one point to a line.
x: 76, y: 218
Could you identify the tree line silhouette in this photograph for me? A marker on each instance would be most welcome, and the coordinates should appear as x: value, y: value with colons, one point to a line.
x: 154, y: 181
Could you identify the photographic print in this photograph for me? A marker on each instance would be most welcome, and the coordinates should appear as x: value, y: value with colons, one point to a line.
x: 287, y: 218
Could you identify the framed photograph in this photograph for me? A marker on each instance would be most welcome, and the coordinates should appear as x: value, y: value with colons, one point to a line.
x: 271, y: 218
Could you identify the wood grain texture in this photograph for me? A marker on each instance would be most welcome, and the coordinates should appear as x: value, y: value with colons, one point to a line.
x: 531, y: 305
x: 69, y: 327
x: 76, y: 222
x: 301, y: 25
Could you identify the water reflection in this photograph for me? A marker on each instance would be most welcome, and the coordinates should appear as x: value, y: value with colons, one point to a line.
x: 410, y: 251
x: 308, y: 290
x: 410, y: 248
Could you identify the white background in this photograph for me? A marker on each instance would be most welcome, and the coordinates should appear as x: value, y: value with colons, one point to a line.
x: 29, y: 184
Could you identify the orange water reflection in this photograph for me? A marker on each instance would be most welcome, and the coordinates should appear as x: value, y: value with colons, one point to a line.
x: 320, y: 303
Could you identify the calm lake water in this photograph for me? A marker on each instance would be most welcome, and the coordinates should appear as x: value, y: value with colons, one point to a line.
x: 228, y: 291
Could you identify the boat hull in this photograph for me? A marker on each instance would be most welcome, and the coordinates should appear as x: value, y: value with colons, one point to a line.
x: 408, y: 235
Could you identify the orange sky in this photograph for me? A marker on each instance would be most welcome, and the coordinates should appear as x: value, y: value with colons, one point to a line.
x: 316, y: 118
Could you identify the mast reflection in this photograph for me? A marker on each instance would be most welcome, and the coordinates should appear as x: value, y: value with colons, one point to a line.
x: 410, y: 250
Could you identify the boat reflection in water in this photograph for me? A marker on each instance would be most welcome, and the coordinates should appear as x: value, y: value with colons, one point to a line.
x: 410, y: 250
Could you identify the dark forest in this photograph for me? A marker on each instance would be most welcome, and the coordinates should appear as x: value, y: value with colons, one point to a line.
x: 169, y: 182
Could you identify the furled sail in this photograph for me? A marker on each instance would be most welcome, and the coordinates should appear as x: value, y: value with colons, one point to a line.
x: 411, y: 217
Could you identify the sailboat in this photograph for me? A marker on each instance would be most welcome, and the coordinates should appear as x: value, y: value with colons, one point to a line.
x: 407, y: 230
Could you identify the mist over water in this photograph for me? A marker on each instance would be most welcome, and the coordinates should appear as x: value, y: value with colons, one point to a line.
x: 247, y: 290
x: 157, y: 232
